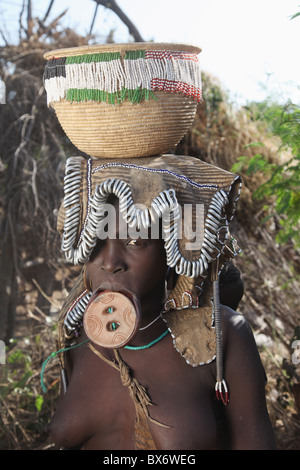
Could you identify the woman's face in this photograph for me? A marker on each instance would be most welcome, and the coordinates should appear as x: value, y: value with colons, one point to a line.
x: 135, y: 265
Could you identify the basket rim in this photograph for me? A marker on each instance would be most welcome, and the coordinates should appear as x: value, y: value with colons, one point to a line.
x: 120, y: 47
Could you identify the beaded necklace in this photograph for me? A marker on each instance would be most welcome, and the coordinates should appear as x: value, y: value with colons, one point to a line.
x: 146, y: 346
x: 55, y: 353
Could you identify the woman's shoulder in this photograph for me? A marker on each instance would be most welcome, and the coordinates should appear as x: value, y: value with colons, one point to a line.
x: 238, y: 337
x: 239, y: 345
x: 235, y: 324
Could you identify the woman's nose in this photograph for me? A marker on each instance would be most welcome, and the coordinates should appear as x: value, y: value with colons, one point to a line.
x: 112, y: 261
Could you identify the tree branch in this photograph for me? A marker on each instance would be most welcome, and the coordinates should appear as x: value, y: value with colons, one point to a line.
x: 20, y: 21
x: 113, y: 6
x: 48, y: 11
x: 3, y: 37
x: 94, y: 18
x: 29, y: 19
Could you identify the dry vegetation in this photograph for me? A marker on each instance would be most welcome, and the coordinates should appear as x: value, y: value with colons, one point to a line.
x: 35, y: 280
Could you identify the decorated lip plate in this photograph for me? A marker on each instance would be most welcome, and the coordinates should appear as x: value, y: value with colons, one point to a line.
x: 111, y: 319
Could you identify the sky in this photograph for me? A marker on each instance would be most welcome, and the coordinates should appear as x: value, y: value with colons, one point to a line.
x: 251, y: 47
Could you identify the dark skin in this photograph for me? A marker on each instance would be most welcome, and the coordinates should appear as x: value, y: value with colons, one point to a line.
x: 231, y: 293
x: 97, y: 411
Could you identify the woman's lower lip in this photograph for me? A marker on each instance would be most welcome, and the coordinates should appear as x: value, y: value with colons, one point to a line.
x: 122, y: 290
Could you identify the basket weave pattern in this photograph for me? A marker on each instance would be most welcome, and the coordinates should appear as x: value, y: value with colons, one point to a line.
x: 127, y: 130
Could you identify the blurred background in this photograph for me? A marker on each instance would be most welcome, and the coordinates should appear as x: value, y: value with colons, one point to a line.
x: 248, y: 122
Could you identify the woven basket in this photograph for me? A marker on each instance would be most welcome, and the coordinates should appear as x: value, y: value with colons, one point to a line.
x: 137, y: 122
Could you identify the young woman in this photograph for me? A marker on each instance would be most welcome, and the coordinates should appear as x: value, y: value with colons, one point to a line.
x: 157, y: 389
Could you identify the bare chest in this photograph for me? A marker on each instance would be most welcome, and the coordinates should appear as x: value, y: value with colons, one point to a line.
x: 98, y: 410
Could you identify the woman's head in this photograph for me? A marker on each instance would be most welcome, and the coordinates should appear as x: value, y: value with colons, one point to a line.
x: 128, y: 263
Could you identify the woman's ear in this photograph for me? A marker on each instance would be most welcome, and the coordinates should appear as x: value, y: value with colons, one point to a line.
x: 171, y: 278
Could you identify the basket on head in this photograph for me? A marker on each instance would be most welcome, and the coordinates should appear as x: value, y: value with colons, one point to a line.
x: 124, y: 100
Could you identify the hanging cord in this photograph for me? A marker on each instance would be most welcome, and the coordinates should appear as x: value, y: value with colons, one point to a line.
x: 221, y: 386
x: 137, y: 391
x: 151, y: 323
x: 53, y: 355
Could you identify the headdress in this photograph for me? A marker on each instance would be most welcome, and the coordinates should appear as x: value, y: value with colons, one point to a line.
x: 141, y: 99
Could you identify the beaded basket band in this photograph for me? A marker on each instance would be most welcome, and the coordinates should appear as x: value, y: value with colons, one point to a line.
x: 111, y: 78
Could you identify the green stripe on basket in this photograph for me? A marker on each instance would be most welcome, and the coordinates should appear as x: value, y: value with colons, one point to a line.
x: 88, y: 58
x: 133, y: 55
x: 85, y: 94
x: 104, y: 57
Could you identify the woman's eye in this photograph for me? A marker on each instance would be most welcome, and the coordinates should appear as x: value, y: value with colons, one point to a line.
x: 135, y: 242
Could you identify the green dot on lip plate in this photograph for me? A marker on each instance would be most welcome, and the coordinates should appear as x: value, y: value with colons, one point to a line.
x: 114, y: 326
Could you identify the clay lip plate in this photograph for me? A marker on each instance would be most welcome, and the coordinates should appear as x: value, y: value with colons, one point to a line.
x: 105, y: 338
x: 107, y: 287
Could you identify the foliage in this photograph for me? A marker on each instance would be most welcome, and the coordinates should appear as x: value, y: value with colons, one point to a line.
x: 283, y: 180
x: 24, y: 410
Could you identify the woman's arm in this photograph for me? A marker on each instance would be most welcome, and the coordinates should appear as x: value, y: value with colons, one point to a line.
x: 247, y: 415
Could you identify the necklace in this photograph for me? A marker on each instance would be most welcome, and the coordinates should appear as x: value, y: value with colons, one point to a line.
x: 149, y: 324
x: 146, y: 346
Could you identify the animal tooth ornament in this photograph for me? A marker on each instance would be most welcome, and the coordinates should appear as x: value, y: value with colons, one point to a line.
x: 126, y: 106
